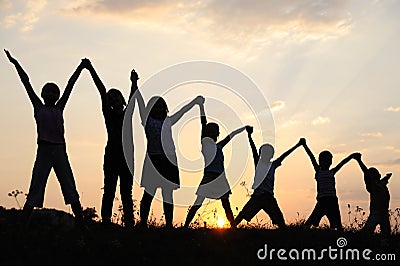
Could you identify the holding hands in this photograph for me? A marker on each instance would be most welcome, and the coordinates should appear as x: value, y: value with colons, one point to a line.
x: 199, y: 100
x: 302, y: 142
x: 249, y: 130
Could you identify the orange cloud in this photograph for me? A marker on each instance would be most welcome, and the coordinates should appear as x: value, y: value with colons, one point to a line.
x: 321, y: 121
x: 372, y: 134
x: 392, y: 109
x: 255, y: 23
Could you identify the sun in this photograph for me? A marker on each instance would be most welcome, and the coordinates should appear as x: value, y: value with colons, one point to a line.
x: 220, y: 222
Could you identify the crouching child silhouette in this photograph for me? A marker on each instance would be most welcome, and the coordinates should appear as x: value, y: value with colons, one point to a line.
x: 379, y: 199
x: 264, y: 178
x: 327, y: 201
x: 51, y: 150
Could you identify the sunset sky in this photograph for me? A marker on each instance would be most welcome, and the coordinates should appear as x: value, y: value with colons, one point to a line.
x: 327, y: 69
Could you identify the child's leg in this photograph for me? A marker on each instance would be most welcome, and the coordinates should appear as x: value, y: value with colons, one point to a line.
x: 370, y: 224
x: 316, y: 215
x: 110, y: 184
x: 65, y: 177
x: 250, y: 209
x: 228, y: 211
x: 333, y: 213
x: 192, y: 211
x: 40, y: 174
x: 275, y: 212
x: 145, y: 204
x: 126, y: 183
x: 64, y: 174
x: 385, y: 224
x: 168, y: 205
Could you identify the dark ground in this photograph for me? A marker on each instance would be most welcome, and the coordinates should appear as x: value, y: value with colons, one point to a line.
x: 53, y: 240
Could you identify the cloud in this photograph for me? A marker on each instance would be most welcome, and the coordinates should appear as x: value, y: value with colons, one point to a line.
x: 253, y: 22
x: 321, y: 121
x: 277, y: 105
x: 389, y: 163
x: 392, y: 148
x: 392, y: 109
x: 5, y: 4
x: 27, y: 18
x: 372, y: 134
x: 289, y: 123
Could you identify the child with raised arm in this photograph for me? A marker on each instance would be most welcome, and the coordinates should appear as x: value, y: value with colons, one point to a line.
x: 114, y: 109
x: 379, y: 199
x: 51, y: 151
x: 327, y: 201
x: 214, y: 184
x: 264, y: 178
x: 160, y: 168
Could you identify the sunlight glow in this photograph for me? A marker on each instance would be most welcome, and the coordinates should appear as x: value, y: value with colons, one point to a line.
x: 220, y: 222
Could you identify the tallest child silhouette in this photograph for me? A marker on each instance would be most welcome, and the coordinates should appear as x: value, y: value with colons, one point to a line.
x: 51, y: 151
x: 114, y: 109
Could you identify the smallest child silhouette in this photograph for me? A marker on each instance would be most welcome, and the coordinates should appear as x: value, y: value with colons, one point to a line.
x: 379, y: 199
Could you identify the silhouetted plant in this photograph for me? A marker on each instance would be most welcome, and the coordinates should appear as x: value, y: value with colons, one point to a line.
x: 15, y: 194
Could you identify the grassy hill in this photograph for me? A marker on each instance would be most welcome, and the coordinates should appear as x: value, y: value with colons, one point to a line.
x: 53, y: 240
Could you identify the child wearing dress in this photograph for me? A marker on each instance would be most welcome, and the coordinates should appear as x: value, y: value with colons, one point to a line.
x: 160, y: 168
x: 214, y: 184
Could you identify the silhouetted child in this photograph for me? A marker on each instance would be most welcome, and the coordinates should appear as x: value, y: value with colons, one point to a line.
x: 51, y: 151
x: 114, y: 109
x: 379, y: 199
x: 327, y: 201
x: 214, y: 184
x: 264, y: 178
x: 160, y: 168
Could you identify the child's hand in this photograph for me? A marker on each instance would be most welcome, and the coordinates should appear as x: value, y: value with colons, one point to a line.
x: 12, y: 59
x: 249, y: 129
x: 134, y: 76
x: 356, y: 156
x: 388, y: 175
x: 200, y: 100
x: 85, y: 63
x: 302, y: 141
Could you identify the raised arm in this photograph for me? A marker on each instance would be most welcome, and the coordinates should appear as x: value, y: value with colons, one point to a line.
x: 99, y: 84
x: 134, y: 87
x: 203, y: 119
x: 254, y: 151
x: 363, y: 167
x: 175, y: 117
x: 386, y: 178
x: 301, y: 142
x: 68, y: 89
x: 35, y: 100
x: 230, y: 136
x: 344, y: 161
x: 142, y: 106
x: 311, y: 155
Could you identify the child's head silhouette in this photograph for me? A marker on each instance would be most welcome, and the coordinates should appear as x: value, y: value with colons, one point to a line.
x: 50, y: 93
x: 325, y: 159
x: 159, y: 108
x: 211, y: 131
x: 374, y: 173
x: 116, y: 99
x: 267, y: 151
